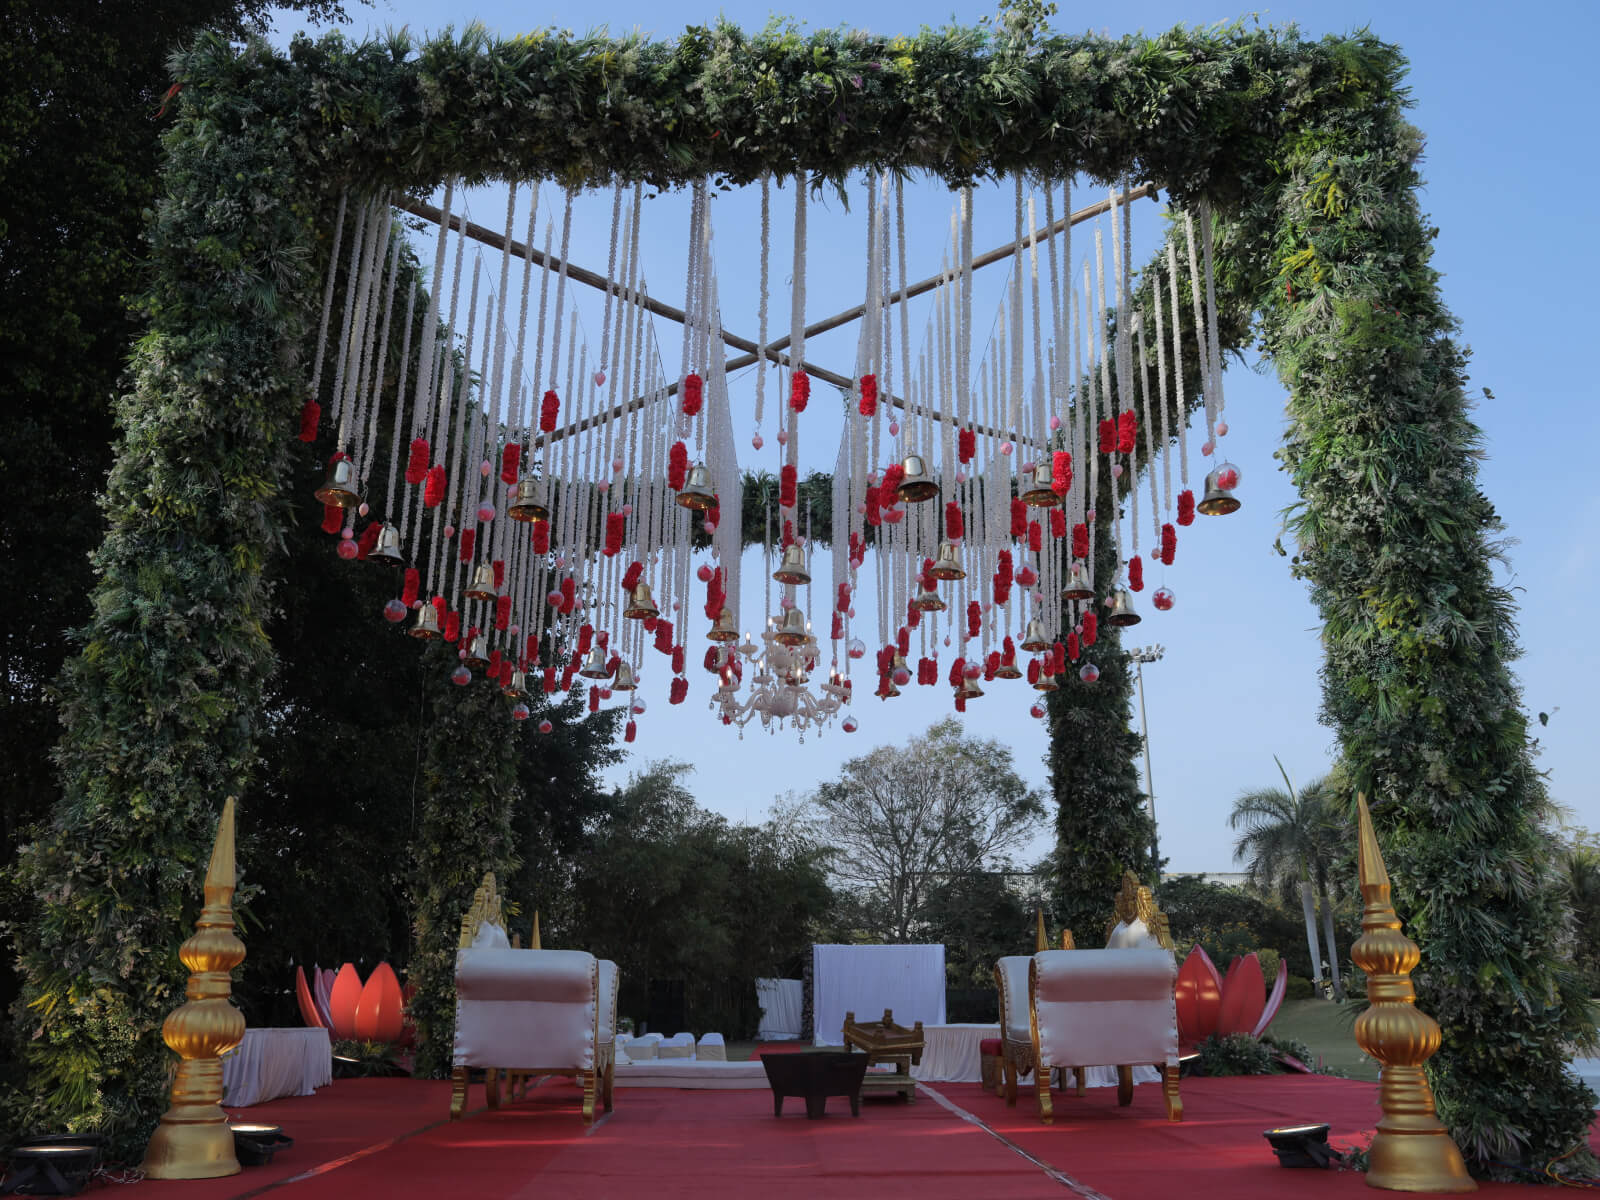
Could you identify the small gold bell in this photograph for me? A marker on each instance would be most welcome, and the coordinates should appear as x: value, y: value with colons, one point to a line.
x: 1033, y: 639
x: 948, y: 564
x: 891, y: 693
x: 518, y: 687
x: 427, y: 624
x: 642, y: 604
x: 916, y: 485
x: 792, y: 629
x: 1046, y: 683
x: 793, y: 567
x: 723, y: 629
x: 482, y: 585
x: 1040, y: 494
x: 1119, y: 609
x: 929, y: 602
x: 594, y: 667
x: 388, y: 548
x: 697, y: 492
x: 1218, y: 500
x: 969, y: 690
x: 624, y: 681
x: 529, y: 504
x: 477, y: 656
x: 339, y: 485
x: 1077, y: 586
x: 1008, y: 670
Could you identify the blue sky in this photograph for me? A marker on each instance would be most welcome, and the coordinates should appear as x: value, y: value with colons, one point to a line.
x: 1502, y: 96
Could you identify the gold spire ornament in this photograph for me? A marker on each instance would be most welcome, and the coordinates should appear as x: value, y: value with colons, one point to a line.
x: 1041, y: 939
x: 193, y: 1140
x: 1412, y: 1150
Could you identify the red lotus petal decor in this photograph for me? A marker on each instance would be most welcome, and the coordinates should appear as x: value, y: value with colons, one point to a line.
x: 342, y: 1001
x: 1209, y: 1003
x: 1274, y: 1001
x: 1244, y: 994
x: 379, y: 1012
x: 302, y: 995
x: 1199, y: 998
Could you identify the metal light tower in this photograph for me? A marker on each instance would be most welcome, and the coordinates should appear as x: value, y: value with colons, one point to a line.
x: 1140, y: 656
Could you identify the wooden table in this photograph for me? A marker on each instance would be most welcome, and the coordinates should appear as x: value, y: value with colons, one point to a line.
x: 885, y: 1042
x: 814, y: 1077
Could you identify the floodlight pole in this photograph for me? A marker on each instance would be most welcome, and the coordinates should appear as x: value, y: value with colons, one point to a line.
x: 1140, y: 656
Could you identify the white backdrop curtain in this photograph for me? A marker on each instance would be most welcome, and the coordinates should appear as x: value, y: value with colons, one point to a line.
x: 866, y: 980
x: 781, y: 1001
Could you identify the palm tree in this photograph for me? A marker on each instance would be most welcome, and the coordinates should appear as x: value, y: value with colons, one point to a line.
x: 1291, y: 838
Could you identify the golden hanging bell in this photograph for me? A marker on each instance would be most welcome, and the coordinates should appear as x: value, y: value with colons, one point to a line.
x: 1119, y: 609
x: 427, y: 624
x: 388, y: 548
x: 969, y: 690
x: 792, y: 629
x: 890, y: 693
x: 1033, y: 639
x: 529, y: 504
x: 697, y: 492
x: 916, y: 486
x: 1077, y: 585
x: 482, y: 585
x: 594, y: 667
x: 1008, y: 670
x: 1046, y: 683
x: 518, y: 687
x: 948, y: 564
x: 642, y: 604
x: 793, y: 567
x: 1218, y: 501
x: 477, y: 655
x: 339, y: 485
x: 723, y: 629
x: 929, y: 602
x: 1041, y: 494
x: 624, y: 681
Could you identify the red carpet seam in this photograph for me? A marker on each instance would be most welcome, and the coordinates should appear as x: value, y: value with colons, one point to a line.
x: 1060, y: 1176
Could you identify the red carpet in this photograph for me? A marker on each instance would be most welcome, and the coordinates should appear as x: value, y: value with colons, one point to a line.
x: 391, y: 1138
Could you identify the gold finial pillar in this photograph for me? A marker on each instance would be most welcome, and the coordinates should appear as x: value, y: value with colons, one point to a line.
x: 534, y: 940
x: 1412, y: 1151
x: 193, y: 1140
x: 1041, y: 939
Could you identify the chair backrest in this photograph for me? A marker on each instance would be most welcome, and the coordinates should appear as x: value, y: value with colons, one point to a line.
x: 606, y: 1015
x: 1133, y: 935
x: 1104, y: 1007
x: 524, y: 1009
x: 1011, y: 980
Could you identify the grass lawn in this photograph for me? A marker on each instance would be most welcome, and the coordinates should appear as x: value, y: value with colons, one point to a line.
x: 1329, y: 1029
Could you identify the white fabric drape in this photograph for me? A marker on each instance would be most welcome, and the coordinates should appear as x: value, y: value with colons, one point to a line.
x: 276, y: 1062
x: 866, y: 980
x: 950, y: 1052
x: 781, y: 1001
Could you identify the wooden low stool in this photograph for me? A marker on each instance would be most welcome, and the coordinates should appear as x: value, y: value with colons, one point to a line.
x: 885, y: 1042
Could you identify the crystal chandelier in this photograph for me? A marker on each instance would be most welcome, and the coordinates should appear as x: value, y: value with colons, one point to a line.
x: 780, y: 688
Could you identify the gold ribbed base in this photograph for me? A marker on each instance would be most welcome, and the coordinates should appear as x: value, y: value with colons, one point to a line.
x: 191, y: 1148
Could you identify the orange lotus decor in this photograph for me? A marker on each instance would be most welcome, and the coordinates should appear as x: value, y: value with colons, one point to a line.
x: 1211, y: 1003
x: 350, y: 1010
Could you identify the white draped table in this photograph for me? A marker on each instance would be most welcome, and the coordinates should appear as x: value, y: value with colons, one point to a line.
x: 276, y: 1062
x: 950, y: 1053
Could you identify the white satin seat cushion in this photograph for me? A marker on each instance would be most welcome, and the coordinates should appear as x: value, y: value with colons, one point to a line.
x: 525, y: 1009
x: 1013, y: 970
x: 1106, y: 1007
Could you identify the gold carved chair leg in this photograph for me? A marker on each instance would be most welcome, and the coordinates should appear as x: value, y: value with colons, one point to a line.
x: 458, y: 1093
x: 491, y: 1086
x: 587, y: 1079
x: 1169, y: 1091
x: 1124, y: 1086
x: 1042, y: 1079
x: 1077, y: 1075
x: 1011, y: 1078
x: 607, y: 1080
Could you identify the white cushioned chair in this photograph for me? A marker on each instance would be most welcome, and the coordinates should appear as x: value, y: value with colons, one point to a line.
x: 530, y: 1012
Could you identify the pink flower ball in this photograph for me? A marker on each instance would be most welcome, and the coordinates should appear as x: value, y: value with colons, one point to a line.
x: 461, y: 677
x: 394, y: 611
x: 616, y: 464
x: 1026, y: 467
x: 961, y: 476
x: 553, y: 598
x: 449, y: 531
x: 362, y: 508
x: 599, y: 379
x: 757, y: 441
x: 1089, y: 516
x: 783, y: 437
x: 603, y: 486
x: 1006, y: 448
x: 894, y: 428
x: 484, y: 468
x: 1206, y: 448
x: 1222, y: 429
x: 626, y: 510
x: 1055, y: 423
x: 703, y: 574
x: 1116, y: 470
x: 486, y: 512
x: 786, y: 602
x: 348, y: 549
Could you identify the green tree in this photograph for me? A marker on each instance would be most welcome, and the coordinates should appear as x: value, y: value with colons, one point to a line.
x: 1289, y: 841
x: 902, y: 818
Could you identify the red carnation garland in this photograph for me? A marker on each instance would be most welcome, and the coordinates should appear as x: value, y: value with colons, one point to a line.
x: 332, y: 518
x: 549, y: 680
x: 1186, y: 507
x: 1072, y: 646
x: 549, y: 410
x: 679, y: 690
x: 1136, y: 574
x: 1169, y: 544
x: 1019, y: 517
x: 928, y: 581
x: 585, y: 640
x: 1091, y: 628
x: 499, y: 574
x: 1058, y: 523
x: 631, y: 577
x: 902, y: 639
x: 493, y: 669
x: 433, y: 487
x: 678, y: 657
x: 1108, y: 436
x: 540, y: 537
x: 630, y: 731
x: 1127, y: 431
x: 417, y: 463
x: 408, y: 590
x: 954, y: 528
x: 1027, y: 576
x: 569, y: 594
x: 991, y: 665
x: 310, y: 418
x: 614, y: 530
x: 889, y: 489
x: 869, y: 395
x: 799, y: 391
x: 836, y: 628
x: 788, y: 534
x: 368, y: 539
x: 966, y: 445
x: 439, y: 609
x: 502, y: 612
x: 927, y: 671
x: 913, y: 614
x: 594, y: 697
x: 677, y: 466
x: 788, y: 486
x: 1061, y: 472
x: 958, y: 671
x: 1036, y: 535
x: 1034, y: 667
x: 469, y: 541
x: 510, y: 463
x: 1010, y: 655
x: 663, y: 636
x: 974, y: 618
x: 874, y: 505
x: 452, y: 626
x: 841, y: 601
x: 693, y: 394
x: 1080, y: 540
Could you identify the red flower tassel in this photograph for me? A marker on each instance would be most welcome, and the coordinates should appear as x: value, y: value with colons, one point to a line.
x: 567, y: 673
x: 540, y: 537
x: 799, y: 391
x: 693, y: 394
x: 874, y: 501
x: 1003, y: 566
x: 569, y: 594
x: 549, y: 410
x: 629, y: 731
x: 1036, y: 535
x: 974, y: 618
x: 614, y: 530
x: 889, y: 489
x: 493, y: 669
x: 1091, y: 628
x: 961, y: 703
x: 966, y: 445
x: 1058, y: 523
x: 678, y: 657
x: 433, y: 487
x: 594, y: 697
x: 1136, y: 574
x: 788, y: 534
x: 836, y: 629
x: 679, y: 691
x: 469, y: 541
x: 332, y: 518
x: 1019, y: 517
x: 1080, y: 540
x: 663, y: 636
x: 1169, y: 543
x: 368, y: 539
x: 452, y: 626
x: 954, y: 528
x: 1072, y: 646
x: 957, y: 672
x: 869, y: 396
x: 788, y: 485
x: 506, y: 668
x: 677, y: 466
x: 842, y: 600
x: 310, y: 417
x: 502, y: 612
x: 510, y: 462
x: 440, y: 608
x: 499, y: 574
x: 408, y: 590
x: 1127, y: 431
x: 1108, y: 436
x: 549, y: 680
x: 1033, y: 670
x: 417, y: 464
x: 612, y: 664
x: 1186, y: 507
x: 1061, y: 472
x: 902, y: 640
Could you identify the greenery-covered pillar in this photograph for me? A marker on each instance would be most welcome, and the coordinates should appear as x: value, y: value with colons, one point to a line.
x: 1396, y: 541
x: 161, y: 706
x: 470, y: 796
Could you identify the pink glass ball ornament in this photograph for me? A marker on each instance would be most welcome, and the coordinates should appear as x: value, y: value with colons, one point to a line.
x: 1207, y: 447
x: 519, y: 712
x: 553, y: 598
x: 638, y: 705
x: 757, y: 442
x: 783, y: 437
x: 394, y: 611
x: 1006, y: 448
x: 849, y: 725
x: 485, y: 512
x: 599, y: 379
x: 1036, y: 711
x: 1055, y: 423
x: 1227, y: 476
x: 901, y: 677
x: 605, y: 693
x: 1088, y: 672
x: 545, y: 727
x: 461, y: 677
x: 857, y: 648
x: 348, y: 549
x: 1222, y: 429
x: 484, y: 468
x: 362, y: 508
x: 1163, y: 599
x: 1116, y: 470
x: 894, y: 428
